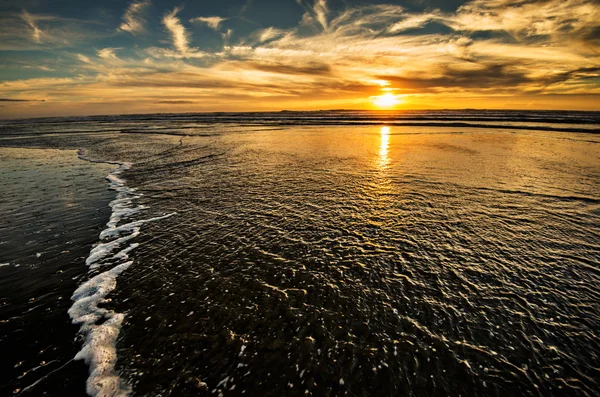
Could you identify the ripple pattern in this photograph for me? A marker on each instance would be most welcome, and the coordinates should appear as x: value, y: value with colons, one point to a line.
x: 358, y: 260
x: 380, y: 264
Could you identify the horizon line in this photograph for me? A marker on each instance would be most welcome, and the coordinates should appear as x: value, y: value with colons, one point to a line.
x: 306, y: 111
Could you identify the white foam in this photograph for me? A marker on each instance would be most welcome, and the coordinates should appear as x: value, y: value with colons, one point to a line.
x: 99, y: 325
x: 103, y: 250
x: 133, y: 226
x: 4, y: 264
x: 99, y: 349
x: 123, y: 254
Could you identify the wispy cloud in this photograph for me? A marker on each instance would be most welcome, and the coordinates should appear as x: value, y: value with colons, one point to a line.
x: 320, y: 9
x: 179, y: 35
x: 36, y: 32
x: 180, y: 39
x: 268, y: 34
x: 25, y: 31
x: 39, y: 67
x: 133, y: 19
x: 227, y: 36
x: 245, y: 7
x: 316, y: 13
x: 84, y: 59
x: 522, y: 19
x: 413, y: 22
x: 108, y: 53
x: 211, y: 22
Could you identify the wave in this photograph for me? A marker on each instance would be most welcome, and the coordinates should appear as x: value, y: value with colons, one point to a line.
x: 181, y: 124
x: 100, y: 326
x: 280, y: 122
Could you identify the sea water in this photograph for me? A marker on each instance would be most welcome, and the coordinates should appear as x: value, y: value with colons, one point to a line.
x: 339, y: 253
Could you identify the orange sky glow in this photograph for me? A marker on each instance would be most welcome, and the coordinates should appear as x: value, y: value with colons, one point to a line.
x: 150, y: 57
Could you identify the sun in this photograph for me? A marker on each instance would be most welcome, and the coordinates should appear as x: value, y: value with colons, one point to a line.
x: 386, y: 100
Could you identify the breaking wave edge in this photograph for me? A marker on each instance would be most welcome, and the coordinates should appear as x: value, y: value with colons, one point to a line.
x: 108, y: 258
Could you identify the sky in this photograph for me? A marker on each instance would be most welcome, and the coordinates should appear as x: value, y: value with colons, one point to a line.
x: 73, y: 57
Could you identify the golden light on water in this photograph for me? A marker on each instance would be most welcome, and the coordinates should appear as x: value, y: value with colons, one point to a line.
x: 384, y: 147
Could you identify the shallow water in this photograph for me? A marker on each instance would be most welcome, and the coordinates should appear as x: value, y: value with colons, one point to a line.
x: 356, y: 260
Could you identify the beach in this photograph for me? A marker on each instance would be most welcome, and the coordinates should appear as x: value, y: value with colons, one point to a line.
x: 318, y: 253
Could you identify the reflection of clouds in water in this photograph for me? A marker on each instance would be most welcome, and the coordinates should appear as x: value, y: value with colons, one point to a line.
x: 384, y: 147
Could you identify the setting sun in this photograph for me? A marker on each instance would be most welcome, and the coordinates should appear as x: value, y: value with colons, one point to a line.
x: 386, y: 100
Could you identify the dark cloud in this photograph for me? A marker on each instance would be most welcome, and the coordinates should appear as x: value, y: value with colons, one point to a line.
x: 486, y: 76
x: 499, y: 76
x: 580, y: 74
x: 591, y: 37
x: 311, y: 68
x: 21, y: 100
x: 176, y: 102
x: 203, y: 82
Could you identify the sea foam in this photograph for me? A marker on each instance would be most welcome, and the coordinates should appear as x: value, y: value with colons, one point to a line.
x: 100, y: 326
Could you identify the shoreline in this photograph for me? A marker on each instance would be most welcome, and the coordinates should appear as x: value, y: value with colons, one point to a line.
x: 99, y: 326
x: 99, y: 346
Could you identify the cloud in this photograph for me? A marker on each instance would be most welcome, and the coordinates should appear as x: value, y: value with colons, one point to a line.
x: 480, y: 76
x: 321, y: 11
x: 357, y: 46
x: 26, y: 31
x: 180, y: 38
x: 166, y: 53
x: 295, y: 69
x: 268, y: 34
x: 133, y: 20
x: 413, y: 22
x: 36, y: 32
x: 557, y: 19
x: 84, y: 59
x: 227, y: 36
x: 211, y: 22
x: 175, y: 102
x: 39, y: 67
x: 21, y: 100
x: 108, y: 53
x: 245, y: 7
x: 179, y: 35
x: 315, y: 14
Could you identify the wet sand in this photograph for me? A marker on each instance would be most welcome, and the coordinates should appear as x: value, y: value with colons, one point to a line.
x: 52, y: 209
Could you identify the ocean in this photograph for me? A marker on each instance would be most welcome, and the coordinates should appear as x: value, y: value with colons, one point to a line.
x: 331, y: 253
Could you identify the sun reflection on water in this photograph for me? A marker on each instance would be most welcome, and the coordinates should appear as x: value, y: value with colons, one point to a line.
x: 384, y: 147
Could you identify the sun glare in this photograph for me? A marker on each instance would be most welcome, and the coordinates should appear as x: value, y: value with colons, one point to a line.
x: 386, y: 100
x: 384, y: 146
